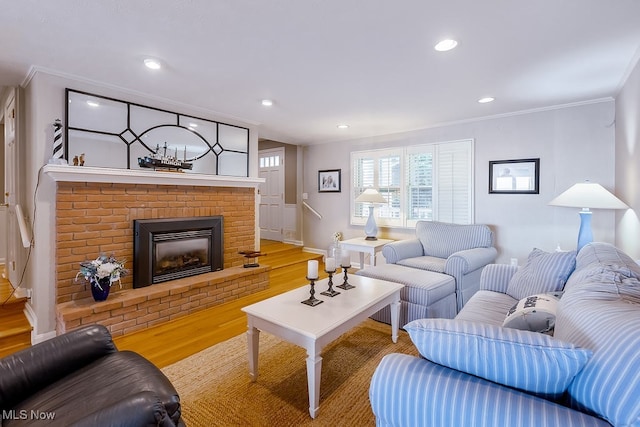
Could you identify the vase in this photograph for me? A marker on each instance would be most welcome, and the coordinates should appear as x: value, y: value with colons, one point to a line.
x: 96, y: 285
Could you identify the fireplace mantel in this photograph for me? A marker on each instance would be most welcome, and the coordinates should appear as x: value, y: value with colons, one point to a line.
x: 66, y: 173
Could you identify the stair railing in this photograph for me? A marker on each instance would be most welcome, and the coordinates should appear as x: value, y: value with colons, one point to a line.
x: 315, y: 212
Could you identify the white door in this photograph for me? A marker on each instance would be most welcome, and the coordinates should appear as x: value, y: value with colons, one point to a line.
x: 10, y: 162
x: 271, y: 168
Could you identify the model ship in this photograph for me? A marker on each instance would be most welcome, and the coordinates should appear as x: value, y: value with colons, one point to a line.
x: 158, y: 160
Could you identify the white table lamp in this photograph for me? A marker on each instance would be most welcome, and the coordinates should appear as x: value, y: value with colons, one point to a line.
x: 587, y: 195
x: 372, y: 197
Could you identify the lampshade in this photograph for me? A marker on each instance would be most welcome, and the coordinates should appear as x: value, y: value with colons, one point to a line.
x: 371, y: 195
x: 588, y: 195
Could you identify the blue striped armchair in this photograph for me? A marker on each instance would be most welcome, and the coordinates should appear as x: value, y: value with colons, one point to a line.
x: 460, y: 251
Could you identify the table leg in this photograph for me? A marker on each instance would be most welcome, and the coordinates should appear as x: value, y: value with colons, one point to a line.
x: 372, y: 260
x: 314, y: 368
x: 253, y: 342
x: 395, y: 318
x: 361, y: 259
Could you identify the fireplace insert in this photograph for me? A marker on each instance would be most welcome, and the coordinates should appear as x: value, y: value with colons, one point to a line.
x: 172, y: 248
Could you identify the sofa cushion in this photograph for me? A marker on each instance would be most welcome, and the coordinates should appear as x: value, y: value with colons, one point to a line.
x: 525, y: 360
x: 428, y: 263
x: 543, y: 272
x: 487, y: 307
x: 535, y: 313
x: 442, y: 239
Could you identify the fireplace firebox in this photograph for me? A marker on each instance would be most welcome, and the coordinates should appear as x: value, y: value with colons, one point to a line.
x: 172, y: 248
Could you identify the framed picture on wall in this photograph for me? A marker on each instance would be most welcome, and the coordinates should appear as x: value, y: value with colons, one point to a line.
x: 514, y: 176
x: 329, y: 181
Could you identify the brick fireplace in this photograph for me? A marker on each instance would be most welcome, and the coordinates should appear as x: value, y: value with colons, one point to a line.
x: 98, y: 217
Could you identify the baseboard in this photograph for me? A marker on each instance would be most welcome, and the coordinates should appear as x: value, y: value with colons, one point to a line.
x: 31, y: 317
x: 293, y: 242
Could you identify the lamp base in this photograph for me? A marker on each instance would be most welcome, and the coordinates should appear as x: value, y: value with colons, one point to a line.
x: 370, y: 228
x: 585, y: 235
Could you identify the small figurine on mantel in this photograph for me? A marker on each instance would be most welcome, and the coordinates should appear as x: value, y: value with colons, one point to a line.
x: 250, y: 258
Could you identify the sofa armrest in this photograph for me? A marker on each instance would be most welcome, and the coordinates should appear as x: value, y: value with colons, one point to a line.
x: 141, y: 409
x: 496, y: 277
x: 401, y: 249
x: 469, y: 260
x: 410, y: 391
x: 27, y: 371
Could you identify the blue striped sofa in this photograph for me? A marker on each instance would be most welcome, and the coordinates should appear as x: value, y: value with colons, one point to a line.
x: 599, y: 313
x: 440, y: 268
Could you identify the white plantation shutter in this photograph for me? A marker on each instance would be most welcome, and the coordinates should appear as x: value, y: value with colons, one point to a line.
x: 389, y: 180
x: 432, y: 182
x: 419, y: 184
x: 454, y: 201
x: 382, y: 170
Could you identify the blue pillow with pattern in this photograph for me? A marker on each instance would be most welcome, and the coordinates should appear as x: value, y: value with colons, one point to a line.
x: 529, y: 361
x: 544, y: 272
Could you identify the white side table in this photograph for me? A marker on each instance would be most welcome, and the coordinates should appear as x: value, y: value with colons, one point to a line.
x: 360, y: 244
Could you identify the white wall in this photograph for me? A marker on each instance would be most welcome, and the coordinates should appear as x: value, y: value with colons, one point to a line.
x: 628, y: 162
x: 573, y: 144
x: 45, y: 102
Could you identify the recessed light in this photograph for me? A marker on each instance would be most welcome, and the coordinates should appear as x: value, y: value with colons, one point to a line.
x: 93, y: 104
x: 153, y: 64
x: 343, y: 126
x: 486, y: 99
x: 267, y: 102
x: 193, y: 125
x: 445, y: 45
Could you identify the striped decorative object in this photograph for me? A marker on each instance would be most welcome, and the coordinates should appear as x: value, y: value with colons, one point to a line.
x: 606, y: 306
x: 543, y: 272
x: 442, y: 239
x: 525, y: 360
x: 407, y: 391
x: 58, y: 151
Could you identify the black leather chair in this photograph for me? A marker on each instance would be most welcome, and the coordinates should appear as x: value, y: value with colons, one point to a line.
x: 81, y: 379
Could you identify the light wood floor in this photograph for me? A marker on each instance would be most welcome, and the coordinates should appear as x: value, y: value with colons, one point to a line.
x: 175, y: 340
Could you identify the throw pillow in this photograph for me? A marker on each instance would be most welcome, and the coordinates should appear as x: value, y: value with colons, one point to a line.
x: 535, y: 313
x: 536, y: 363
x: 543, y: 272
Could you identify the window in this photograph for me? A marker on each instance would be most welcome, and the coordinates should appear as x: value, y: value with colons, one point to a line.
x: 432, y: 182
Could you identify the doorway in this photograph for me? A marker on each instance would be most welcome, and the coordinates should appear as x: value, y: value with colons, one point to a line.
x: 271, y: 207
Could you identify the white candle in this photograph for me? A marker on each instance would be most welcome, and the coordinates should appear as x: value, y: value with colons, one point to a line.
x: 312, y: 269
x: 346, y: 259
x: 330, y: 264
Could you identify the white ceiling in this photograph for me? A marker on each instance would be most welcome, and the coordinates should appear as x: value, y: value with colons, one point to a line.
x: 370, y: 64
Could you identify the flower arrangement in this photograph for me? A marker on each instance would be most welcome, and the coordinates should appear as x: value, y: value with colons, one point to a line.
x: 337, y: 236
x: 101, y: 268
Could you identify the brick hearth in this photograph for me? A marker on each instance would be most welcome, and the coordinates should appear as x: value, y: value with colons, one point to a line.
x: 96, y: 217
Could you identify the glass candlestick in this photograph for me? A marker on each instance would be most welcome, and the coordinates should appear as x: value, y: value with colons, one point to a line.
x: 312, y: 301
x: 345, y: 283
x: 330, y: 292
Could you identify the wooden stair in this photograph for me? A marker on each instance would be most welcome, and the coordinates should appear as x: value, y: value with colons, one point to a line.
x: 288, y: 264
x: 15, y: 330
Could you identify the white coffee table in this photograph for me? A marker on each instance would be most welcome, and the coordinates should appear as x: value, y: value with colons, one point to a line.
x: 314, y: 327
x: 364, y: 246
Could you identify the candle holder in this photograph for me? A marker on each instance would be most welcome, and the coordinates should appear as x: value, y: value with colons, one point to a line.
x: 345, y: 283
x: 330, y: 292
x: 312, y: 301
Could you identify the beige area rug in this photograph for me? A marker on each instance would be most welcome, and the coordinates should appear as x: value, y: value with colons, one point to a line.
x: 215, y: 388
